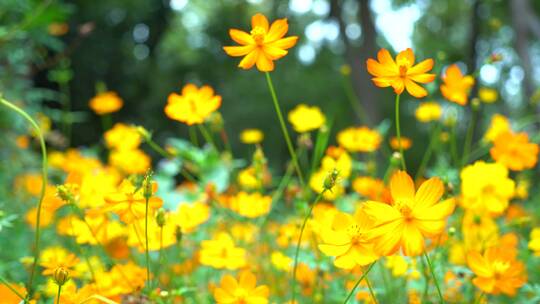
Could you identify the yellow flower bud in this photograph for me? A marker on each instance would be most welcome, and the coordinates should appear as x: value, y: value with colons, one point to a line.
x: 61, y: 276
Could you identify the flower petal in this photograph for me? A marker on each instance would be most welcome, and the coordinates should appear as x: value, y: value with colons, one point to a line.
x: 237, y: 51
x: 285, y: 43
x: 412, y: 241
x: 278, y: 29
x: 241, y: 37
x: 429, y: 193
x: 249, y: 60
x: 421, y: 68
x: 402, y: 186
x: 259, y: 20
x: 264, y: 64
x: 414, y: 89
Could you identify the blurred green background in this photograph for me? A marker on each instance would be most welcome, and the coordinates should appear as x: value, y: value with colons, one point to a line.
x: 53, y: 53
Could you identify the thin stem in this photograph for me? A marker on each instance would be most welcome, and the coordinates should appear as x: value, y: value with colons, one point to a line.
x: 358, y: 283
x: 207, y: 136
x: 44, y: 174
x: 353, y: 100
x: 453, y: 144
x: 193, y: 136
x: 58, y: 295
x: 284, y: 129
x: 298, y: 243
x: 398, y: 133
x: 441, y: 299
x: 6, y: 283
x: 146, y: 245
x: 106, y: 122
x: 428, y: 153
x: 469, y: 138
x: 158, y: 149
x: 372, y: 293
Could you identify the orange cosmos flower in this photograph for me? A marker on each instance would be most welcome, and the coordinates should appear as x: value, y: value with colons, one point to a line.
x: 497, y: 271
x: 105, y: 103
x: 456, y: 87
x: 410, y: 217
x: 514, y: 151
x: 194, y: 105
x: 262, y: 45
x: 243, y: 290
x: 400, y: 74
x: 406, y: 143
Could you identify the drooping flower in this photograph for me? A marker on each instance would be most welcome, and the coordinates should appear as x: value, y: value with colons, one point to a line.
x: 412, y: 215
x: 456, y: 86
x: 241, y: 291
x: 486, y: 187
x: 263, y: 45
x: 497, y: 270
x: 514, y: 151
x: 305, y: 118
x: 105, y: 103
x: 251, y: 136
x: 361, y: 139
x: 194, y: 105
x: 347, y: 240
x: 499, y: 124
x: 221, y: 252
x: 402, y: 73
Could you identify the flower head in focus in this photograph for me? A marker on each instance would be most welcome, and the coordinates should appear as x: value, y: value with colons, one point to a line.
x: 106, y: 103
x: 194, y: 105
x: 305, y: 118
x: 402, y: 73
x: 262, y: 45
x: 412, y: 215
x: 456, y: 86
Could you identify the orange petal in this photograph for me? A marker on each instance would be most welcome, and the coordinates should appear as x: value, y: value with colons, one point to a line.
x: 237, y: 51
x: 377, y: 69
x: 401, y: 186
x: 278, y: 29
x: 414, y: 89
x: 274, y: 53
x: 398, y: 86
x: 422, y: 78
x: 421, y: 68
x: 478, y: 264
x: 264, y: 64
x: 385, y: 58
x: 249, y: 60
x: 259, y: 20
x: 429, y: 193
x: 247, y: 280
x: 241, y: 37
x: 285, y: 43
x: 406, y: 55
x: 382, y: 82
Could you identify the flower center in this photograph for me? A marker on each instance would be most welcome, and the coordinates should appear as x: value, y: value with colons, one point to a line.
x: 403, y: 70
x: 241, y: 295
x: 404, y: 208
x: 258, y: 33
x: 355, y: 233
x: 500, y: 267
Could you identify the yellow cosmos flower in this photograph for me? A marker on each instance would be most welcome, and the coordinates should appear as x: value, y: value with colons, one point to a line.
x: 337, y: 159
x: 251, y: 205
x: 129, y: 202
x: 514, y: 151
x: 480, y: 231
x: 456, y: 86
x: 241, y: 291
x: 486, y: 187
x: 361, y: 139
x: 411, y: 217
x: 488, y: 95
x: 305, y: 118
x: 191, y: 216
x: 130, y: 161
x: 122, y: 137
x: 534, y: 243
x: 497, y: 271
x: 105, y: 103
x: 347, y: 240
x: 371, y: 188
x: 54, y: 257
x: 194, y: 106
x: 281, y: 261
x: 400, y: 74
x: 251, y: 136
x: 406, y: 143
x: 428, y: 111
x: 398, y: 264
x: 499, y: 124
x: 263, y: 45
x: 221, y: 252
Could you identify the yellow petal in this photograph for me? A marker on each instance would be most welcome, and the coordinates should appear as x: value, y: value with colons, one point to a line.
x: 421, y: 67
x: 412, y: 241
x: 250, y: 59
x: 414, y: 89
x: 401, y: 186
x: 429, y: 193
x: 273, y: 53
x: 406, y: 56
x: 285, y: 43
x: 264, y: 64
x: 278, y: 29
x: 478, y: 264
x: 237, y: 51
x: 241, y: 37
x: 259, y: 20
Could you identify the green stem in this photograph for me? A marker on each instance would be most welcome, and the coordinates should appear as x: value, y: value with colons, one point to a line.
x: 299, y: 242
x: 469, y: 138
x: 441, y: 299
x: 284, y: 129
x: 373, y: 297
x: 158, y: 149
x: 43, y: 185
x: 398, y: 133
x: 453, y: 144
x: 479, y: 299
x: 207, y: 136
x: 6, y: 283
x: 193, y: 136
x: 358, y: 283
x: 58, y: 295
x: 428, y: 153
x: 353, y: 100
x: 146, y: 246
x: 106, y: 122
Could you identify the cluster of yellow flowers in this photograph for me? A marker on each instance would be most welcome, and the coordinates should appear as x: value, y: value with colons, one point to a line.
x: 215, y: 227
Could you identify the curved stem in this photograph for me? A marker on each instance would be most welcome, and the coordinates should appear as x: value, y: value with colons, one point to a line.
x: 147, y: 254
x: 284, y: 129
x: 44, y: 174
x: 298, y: 243
x: 398, y: 133
x: 358, y: 283
x: 441, y: 299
